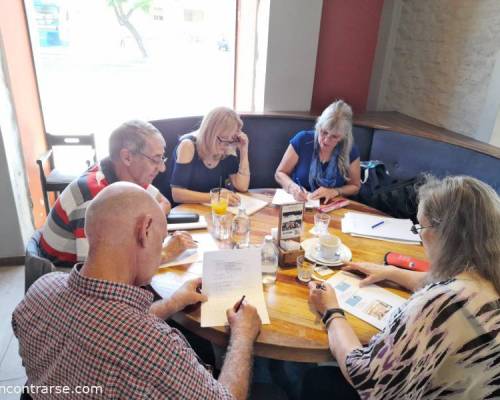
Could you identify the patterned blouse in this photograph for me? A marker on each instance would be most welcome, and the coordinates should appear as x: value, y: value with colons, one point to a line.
x: 443, y: 343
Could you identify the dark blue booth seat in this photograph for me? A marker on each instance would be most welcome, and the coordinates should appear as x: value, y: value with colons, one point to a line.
x: 405, y: 154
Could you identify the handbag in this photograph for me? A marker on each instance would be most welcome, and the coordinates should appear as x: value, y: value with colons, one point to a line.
x: 394, y: 197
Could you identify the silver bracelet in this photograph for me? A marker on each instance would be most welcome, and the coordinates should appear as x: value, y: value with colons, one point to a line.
x: 332, y: 317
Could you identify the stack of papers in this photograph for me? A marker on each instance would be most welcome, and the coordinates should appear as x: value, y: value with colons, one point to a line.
x: 227, y: 276
x: 371, y: 303
x: 281, y: 198
x: 370, y: 226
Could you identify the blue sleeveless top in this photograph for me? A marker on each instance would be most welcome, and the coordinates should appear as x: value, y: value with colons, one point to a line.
x: 196, y: 176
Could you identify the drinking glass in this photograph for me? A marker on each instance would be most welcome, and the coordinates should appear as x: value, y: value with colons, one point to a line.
x: 304, y: 269
x: 321, y: 222
x: 220, y: 220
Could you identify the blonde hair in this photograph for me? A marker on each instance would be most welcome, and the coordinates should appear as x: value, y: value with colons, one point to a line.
x: 212, y: 124
x: 335, y: 114
x: 465, y: 214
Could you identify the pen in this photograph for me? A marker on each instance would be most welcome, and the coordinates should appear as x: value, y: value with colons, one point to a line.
x: 239, y: 303
x: 377, y: 224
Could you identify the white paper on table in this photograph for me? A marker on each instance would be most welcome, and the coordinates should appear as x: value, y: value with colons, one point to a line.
x: 393, y: 229
x: 371, y: 303
x: 227, y: 276
x: 251, y: 204
x: 281, y: 197
x: 186, y: 226
x: 205, y: 243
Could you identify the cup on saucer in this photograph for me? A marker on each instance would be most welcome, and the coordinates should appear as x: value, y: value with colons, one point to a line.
x: 329, y: 246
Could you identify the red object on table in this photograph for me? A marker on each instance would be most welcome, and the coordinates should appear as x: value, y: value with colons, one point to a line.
x: 406, y: 262
x: 334, y: 205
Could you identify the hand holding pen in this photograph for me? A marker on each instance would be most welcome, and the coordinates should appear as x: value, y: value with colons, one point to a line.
x: 300, y: 193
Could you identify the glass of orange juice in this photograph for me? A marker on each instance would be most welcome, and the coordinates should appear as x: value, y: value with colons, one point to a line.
x: 219, y: 199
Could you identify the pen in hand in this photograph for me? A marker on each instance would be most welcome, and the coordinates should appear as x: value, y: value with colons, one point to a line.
x: 239, y: 304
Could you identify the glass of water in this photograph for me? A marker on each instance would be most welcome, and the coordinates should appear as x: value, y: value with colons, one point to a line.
x: 321, y: 222
x: 304, y: 269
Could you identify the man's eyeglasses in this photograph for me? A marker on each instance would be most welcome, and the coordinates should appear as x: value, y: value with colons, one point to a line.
x: 417, y: 227
x: 156, y: 160
x: 227, y: 142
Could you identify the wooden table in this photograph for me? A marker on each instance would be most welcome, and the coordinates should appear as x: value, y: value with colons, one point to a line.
x: 296, y: 332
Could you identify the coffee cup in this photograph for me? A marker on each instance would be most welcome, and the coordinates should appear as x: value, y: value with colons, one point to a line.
x: 329, y: 246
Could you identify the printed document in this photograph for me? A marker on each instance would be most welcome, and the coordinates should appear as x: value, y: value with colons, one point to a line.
x: 281, y: 197
x: 371, y: 303
x: 190, y: 256
x: 227, y: 276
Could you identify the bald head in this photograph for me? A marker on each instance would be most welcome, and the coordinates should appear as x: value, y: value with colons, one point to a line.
x: 112, y: 217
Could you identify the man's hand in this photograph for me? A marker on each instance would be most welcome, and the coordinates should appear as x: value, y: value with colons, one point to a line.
x: 176, y: 245
x: 322, y: 297
x: 326, y: 193
x: 189, y: 293
x: 245, y: 323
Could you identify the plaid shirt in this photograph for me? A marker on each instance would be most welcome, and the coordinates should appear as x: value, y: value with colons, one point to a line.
x: 63, y: 240
x: 76, y: 331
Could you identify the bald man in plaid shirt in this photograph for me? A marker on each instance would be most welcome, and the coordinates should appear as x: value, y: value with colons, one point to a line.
x: 96, y: 326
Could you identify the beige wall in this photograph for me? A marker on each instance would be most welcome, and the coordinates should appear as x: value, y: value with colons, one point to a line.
x: 442, y: 62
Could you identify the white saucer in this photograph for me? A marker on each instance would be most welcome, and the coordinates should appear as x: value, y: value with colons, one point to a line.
x: 310, y: 247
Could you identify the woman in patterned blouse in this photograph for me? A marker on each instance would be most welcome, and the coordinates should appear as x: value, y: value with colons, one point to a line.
x: 444, y: 342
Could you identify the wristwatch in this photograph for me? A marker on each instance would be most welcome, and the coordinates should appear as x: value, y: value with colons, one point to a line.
x: 328, y: 313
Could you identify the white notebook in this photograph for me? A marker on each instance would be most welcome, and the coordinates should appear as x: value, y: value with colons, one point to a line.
x: 281, y: 197
x: 251, y: 204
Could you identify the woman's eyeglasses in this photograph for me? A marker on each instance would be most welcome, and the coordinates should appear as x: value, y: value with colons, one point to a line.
x: 417, y: 228
x: 226, y: 142
x: 155, y: 160
x: 324, y: 133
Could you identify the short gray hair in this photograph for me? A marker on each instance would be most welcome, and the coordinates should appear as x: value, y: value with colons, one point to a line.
x: 131, y: 135
x: 465, y: 214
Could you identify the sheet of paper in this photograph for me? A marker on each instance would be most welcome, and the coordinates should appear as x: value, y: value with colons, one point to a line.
x: 371, y: 303
x: 202, y: 223
x: 251, y: 204
x: 227, y: 276
x: 281, y: 197
x: 205, y: 243
x: 392, y: 229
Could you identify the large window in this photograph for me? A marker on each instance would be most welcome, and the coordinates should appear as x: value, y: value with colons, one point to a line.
x: 101, y: 62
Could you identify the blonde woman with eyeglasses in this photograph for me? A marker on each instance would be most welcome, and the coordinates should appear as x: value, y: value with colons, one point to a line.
x: 216, y: 153
x: 444, y: 342
x: 322, y: 163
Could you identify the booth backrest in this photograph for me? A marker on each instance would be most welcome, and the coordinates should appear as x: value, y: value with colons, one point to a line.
x: 405, y: 156
x: 269, y: 136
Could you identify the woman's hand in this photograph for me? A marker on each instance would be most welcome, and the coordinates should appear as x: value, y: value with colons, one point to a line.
x: 298, y: 193
x: 322, y: 297
x: 232, y: 198
x: 374, y: 272
x: 242, y: 141
x: 326, y: 193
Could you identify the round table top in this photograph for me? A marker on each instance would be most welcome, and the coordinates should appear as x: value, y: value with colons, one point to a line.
x: 296, y: 332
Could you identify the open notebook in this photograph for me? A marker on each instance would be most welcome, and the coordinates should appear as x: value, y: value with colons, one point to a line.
x: 251, y: 204
x: 281, y: 197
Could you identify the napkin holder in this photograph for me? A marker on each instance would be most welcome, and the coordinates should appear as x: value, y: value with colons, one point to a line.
x: 291, y: 219
x: 288, y: 259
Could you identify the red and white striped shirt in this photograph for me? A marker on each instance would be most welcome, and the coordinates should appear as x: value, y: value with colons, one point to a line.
x: 63, y: 240
x: 76, y: 331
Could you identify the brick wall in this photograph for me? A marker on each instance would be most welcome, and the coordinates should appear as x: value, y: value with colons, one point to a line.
x: 443, y: 61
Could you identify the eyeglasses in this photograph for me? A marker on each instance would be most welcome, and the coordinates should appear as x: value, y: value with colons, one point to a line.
x: 226, y: 142
x: 324, y: 133
x: 155, y: 160
x: 417, y: 227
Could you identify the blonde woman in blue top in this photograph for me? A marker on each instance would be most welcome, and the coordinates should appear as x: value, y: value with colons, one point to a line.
x: 322, y: 163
